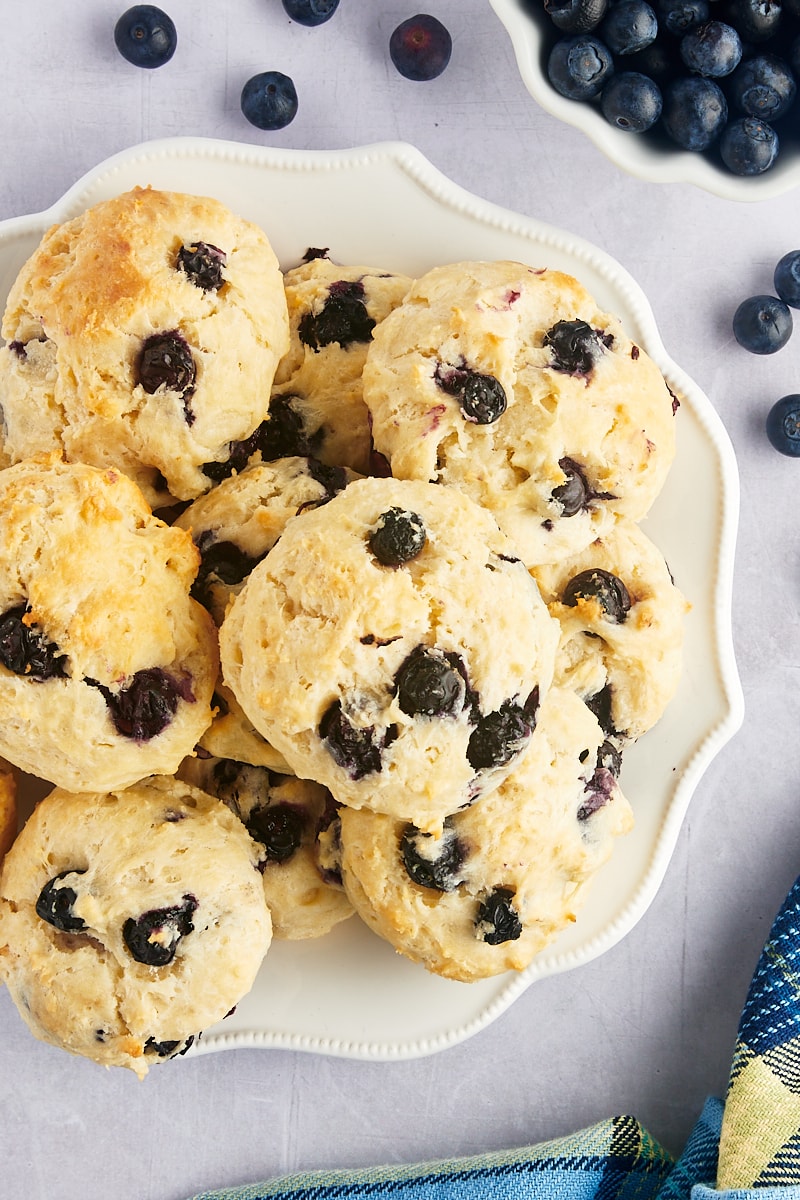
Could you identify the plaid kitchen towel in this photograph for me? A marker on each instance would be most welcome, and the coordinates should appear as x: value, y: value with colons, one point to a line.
x: 760, y: 1138
x: 746, y: 1149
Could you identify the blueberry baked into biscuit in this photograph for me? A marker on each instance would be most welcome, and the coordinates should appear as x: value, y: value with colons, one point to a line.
x: 143, y: 334
x: 286, y: 816
x: 130, y: 921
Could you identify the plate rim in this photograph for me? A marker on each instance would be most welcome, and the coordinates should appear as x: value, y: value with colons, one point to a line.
x: 622, y: 148
x: 408, y: 159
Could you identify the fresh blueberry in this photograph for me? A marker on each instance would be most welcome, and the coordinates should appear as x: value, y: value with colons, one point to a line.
x: 783, y: 425
x: 153, y: 937
x: 576, y: 16
x: 203, y: 264
x: 575, y: 346
x: 497, y: 920
x: 579, y: 66
x: 749, y: 146
x: 431, y: 683
x: 607, y: 589
x: 55, y: 904
x: 756, y: 20
x: 764, y: 87
x: 787, y: 278
x: 440, y: 871
x: 629, y: 26
x: 762, y: 324
x: 343, y: 318
x: 269, y: 100
x: 712, y: 50
x: 147, y: 705
x: 793, y: 57
x: 420, y: 47
x: 145, y: 36
x: 311, y: 12
x: 695, y: 112
x: 23, y: 648
x: 398, y: 536
x: 631, y: 102
x: 679, y: 16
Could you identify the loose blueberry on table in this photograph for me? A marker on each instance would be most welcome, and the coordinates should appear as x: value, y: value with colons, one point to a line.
x: 145, y: 36
x: 269, y: 100
x: 420, y: 47
x: 787, y: 278
x: 311, y: 12
x: 762, y: 324
x: 783, y: 425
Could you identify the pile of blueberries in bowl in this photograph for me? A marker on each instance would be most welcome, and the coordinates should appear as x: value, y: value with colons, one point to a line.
x: 717, y: 80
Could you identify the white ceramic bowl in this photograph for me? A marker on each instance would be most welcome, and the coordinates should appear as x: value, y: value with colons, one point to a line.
x: 528, y: 27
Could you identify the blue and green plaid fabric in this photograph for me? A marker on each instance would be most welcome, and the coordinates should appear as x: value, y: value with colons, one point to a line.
x: 760, y: 1138
x: 746, y: 1149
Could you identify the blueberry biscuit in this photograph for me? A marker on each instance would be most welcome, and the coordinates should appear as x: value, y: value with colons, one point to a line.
x: 143, y: 334
x: 234, y: 526
x: 622, y: 619
x: 8, y: 808
x: 130, y: 921
x: 333, y: 311
x: 505, y: 876
x: 393, y: 647
x: 285, y: 815
x: 509, y: 383
x: 107, y: 665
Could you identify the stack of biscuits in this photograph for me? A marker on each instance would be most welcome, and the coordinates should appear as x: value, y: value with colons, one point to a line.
x: 323, y: 592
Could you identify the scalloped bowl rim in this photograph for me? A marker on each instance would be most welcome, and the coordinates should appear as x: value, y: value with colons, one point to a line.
x: 397, y: 166
x: 628, y: 150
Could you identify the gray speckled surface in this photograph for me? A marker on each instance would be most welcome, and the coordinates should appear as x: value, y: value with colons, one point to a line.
x: 648, y: 1027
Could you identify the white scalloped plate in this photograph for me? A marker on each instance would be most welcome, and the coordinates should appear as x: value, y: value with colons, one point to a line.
x: 527, y: 26
x: 348, y: 993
